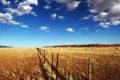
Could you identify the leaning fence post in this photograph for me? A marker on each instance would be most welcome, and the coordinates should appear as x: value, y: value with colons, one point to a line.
x: 57, y: 66
x: 67, y: 73
x: 89, y: 69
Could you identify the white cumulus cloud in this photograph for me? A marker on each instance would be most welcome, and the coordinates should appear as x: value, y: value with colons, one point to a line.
x: 61, y: 17
x: 53, y: 15
x: 47, y: 6
x: 8, y: 18
x: 107, y: 12
x: 87, y: 17
x: 73, y: 5
x: 105, y: 24
x: 24, y: 26
x: 35, y: 2
x: 23, y: 7
x: 70, y: 29
x: 13, y: 22
x: 70, y: 4
x: 115, y: 22
x: 44, y: 28
x: 4, y: 2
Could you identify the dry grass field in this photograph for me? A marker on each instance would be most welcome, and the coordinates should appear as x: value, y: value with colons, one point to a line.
x: 19, y: 64
x: 24, y: 64
x: 105, y: 62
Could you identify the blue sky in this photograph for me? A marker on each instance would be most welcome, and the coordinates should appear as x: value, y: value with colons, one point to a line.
x: 36, y: 23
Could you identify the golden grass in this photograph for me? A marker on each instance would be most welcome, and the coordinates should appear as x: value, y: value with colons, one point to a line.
x: 105, y: 62
x: 86, y: 50
x: 19, y: 64
x: 23, y: 63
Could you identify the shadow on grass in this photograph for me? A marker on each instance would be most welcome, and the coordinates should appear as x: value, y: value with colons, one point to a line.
x: 52, y: 66
x: 44, y: 71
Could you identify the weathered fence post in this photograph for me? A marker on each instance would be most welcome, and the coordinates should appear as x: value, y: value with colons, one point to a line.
x: 57, y: 66
x: 44, y: 57
x: 67, y: 73
x: 89, y: 69
x: 52, y: 65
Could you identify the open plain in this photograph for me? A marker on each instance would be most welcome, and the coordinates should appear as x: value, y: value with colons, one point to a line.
x: 24, y: 63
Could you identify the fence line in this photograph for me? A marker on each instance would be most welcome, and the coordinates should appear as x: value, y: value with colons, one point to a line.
x: 55, y: 68
x: 67, y: 72
x: 89, y: 69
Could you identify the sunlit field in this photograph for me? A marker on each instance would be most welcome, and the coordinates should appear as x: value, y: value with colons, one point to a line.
x: 73, y: 63
x: 19, y: 64
x: 104, y: 63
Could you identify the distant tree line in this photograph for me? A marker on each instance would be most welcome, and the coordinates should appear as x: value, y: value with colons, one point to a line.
x: 5, y: 46
x: 88, y: 45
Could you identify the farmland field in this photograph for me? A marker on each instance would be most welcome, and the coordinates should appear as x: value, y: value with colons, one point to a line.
x: 19, y: 64
x: 24, y: 64
x: 105, y: 62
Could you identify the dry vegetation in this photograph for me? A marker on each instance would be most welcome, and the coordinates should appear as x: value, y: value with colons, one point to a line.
x: 19, y: 64
x: 24, y: 64
x: 105, y: 62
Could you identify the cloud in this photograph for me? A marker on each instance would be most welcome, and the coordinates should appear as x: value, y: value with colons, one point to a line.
x: 13, y: 22
x: 16, y: 1
x: 47, y: 6
x: 61, y: 17
x: 116, y: 22
x: 107, y: 12
x: 100, y: 5
x: 8, y: 18
x: 44, y: 28
x: 85, y: 28
x: 33, y: 13
x: 110, y: 23
x: 63, y: 1
x: 97, y: 30
x: 105, y: 24
x: 53, y: 15
x: 70, y: 4
x: 100, y: 17
x: 24, y: 26
x: 70, y: 30
x: 35, y: 2
x: 4, y: 2
x: 48, y: 1
x: 23, y: 7
x: 87, y: 17
x: 73, y: 5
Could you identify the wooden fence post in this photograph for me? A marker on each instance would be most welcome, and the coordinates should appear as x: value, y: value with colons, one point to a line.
x: 89, y: 69
x: 44, y: 56
x: 67, y: 73
x: 57, y: 66
x: 52, y: 65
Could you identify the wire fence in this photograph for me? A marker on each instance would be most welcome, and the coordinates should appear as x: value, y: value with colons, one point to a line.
x: 73, y: 68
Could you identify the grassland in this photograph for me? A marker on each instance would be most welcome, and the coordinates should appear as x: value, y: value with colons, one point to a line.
x: 19, y: 64
x: 24, y: 64
x: 105, y: 62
